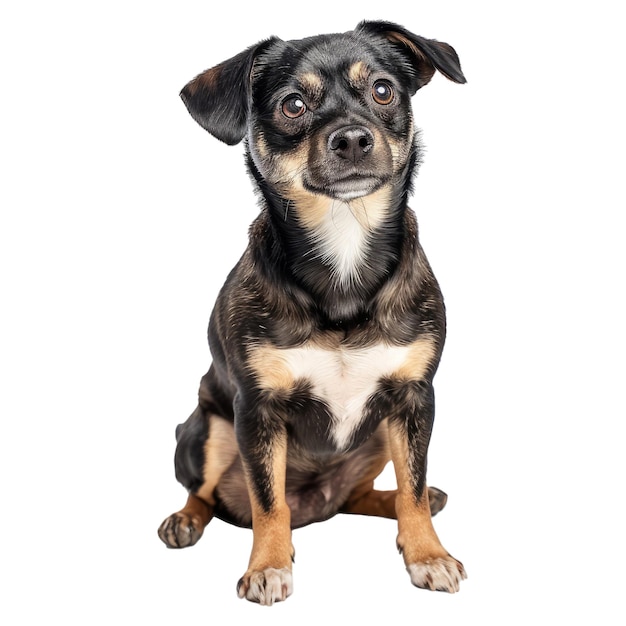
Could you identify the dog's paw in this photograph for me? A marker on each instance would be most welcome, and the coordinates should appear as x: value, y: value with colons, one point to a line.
x: 180, y: 530
x: 441, y: 574
x: 267, y: 586
x: 437, y: 500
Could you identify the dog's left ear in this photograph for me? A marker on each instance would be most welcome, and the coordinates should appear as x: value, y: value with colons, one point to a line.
x: 219, y: 98
x: 424, y: 55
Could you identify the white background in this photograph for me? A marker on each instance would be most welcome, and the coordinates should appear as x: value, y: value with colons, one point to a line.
x: 120, y: 218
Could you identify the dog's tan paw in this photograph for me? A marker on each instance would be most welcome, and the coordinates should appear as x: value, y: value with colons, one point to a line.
x: 267, y: 586
x: 180, y: 530
x: 441, y: 574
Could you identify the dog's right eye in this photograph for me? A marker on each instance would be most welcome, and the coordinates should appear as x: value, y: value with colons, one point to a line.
x: 382, y: 92
x: 293, y: 107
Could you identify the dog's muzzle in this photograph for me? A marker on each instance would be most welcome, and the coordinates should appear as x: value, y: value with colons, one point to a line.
x: 347, y: 161
x: 352, y: 169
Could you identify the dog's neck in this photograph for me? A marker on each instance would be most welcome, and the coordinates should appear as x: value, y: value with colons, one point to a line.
x: 338, y: 252
x: 344, y: 236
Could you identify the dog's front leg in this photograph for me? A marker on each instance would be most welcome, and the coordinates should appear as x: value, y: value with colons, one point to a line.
x: 428, y: 563
x: 263, y: 448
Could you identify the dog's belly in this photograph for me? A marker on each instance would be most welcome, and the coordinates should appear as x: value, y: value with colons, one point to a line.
x: 316, y: 486
x: 344, y: 380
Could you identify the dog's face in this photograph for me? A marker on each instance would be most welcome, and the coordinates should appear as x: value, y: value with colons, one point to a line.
x: 331, y: 117
x: 328, y: 117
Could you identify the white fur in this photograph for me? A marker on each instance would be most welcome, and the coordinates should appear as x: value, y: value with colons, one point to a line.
x: 442, y: 574
x: 344, y: 379
x: 342, y: 242
x: 268, y: 586
x: 342, y: 236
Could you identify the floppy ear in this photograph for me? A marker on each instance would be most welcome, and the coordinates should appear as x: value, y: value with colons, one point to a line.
x: 218, y: 99
x: 424, y: 55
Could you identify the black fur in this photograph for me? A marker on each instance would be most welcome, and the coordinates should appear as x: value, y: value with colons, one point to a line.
x: 291, y: 291
x: 328, y: 126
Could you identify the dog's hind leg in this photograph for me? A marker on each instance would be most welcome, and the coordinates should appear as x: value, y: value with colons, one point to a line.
x: 365, y: 500
x: 206, y: 449
x: 183, y: 528
x: 436, y: 500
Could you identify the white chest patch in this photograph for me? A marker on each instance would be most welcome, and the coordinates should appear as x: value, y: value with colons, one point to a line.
x: 342, y: 242
x: 341, y: 232
x: 344, y: 379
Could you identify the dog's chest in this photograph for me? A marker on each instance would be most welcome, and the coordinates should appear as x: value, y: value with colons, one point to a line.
x: 343, y: 379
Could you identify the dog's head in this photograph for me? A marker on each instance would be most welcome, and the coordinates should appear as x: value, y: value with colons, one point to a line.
x: 327, y: 116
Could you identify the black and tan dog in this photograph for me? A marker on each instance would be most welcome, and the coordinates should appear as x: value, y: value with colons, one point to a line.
x: 328, y: 332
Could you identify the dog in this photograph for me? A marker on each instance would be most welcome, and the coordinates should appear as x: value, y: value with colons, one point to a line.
x: 327, y: 334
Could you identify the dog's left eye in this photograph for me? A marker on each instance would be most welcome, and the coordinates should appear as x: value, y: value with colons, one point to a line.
x: 382, y: 92
x: 293, y: 107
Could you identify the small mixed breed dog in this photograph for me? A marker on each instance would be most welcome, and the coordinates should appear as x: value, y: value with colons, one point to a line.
x: 327, y: 333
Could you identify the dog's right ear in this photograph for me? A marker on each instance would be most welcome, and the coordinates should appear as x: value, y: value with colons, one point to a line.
x: 424, y: 55
x: 219, y: 98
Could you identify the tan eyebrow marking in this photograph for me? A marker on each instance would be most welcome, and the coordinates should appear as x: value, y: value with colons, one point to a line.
x: 312, y: 83
x: 358, y: 72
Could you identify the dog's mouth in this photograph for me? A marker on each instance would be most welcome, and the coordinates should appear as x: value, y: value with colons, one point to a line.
x: 348, y: 187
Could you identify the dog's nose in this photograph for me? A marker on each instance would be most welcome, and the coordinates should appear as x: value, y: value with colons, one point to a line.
x: 351, y: 142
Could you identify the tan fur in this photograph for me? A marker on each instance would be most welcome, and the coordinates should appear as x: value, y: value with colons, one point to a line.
x: 197, y: 510
x: 272, y: 529
x: 369, y: 211
x: 368, y: 501
x: 416, y: 536
x: 312, y: 83
x: 358, y: 73
x: 420, y: 359
x: 365, y: 500
x: 286, y: 172
x: 220, y: 452
x: 260, y: 146
x: 269, y: 366
x: 399, y: 152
